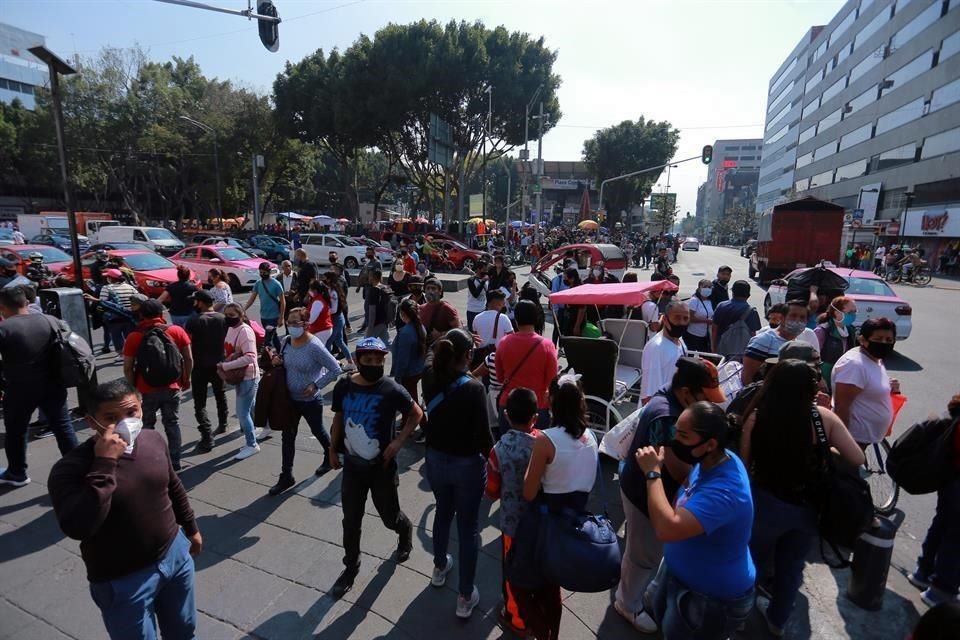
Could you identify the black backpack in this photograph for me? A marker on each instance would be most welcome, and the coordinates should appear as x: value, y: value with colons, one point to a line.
x: 159, y: 361
x: 920, y: 460
x: 75, y: 360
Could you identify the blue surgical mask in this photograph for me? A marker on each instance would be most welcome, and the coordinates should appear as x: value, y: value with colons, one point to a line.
x: 849, y: 318
x: 295, y: 332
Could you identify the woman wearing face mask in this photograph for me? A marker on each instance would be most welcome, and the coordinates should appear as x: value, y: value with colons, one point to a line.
x: 319, y: 320
x: 399, y: 279
x: 219, y: 289
x: 337, y: 342
x: 836, y: 333
x: 240, y: 347
x: 309, y: 368
x: 458, y: 442
x: 697, y: 336
x: 861, y: 386
x: 778, y: 446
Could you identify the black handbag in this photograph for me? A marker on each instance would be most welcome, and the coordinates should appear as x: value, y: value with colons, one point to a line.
x: 844, y: 503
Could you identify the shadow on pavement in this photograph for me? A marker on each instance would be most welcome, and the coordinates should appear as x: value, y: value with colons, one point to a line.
x: 43, y: 531
x: 900, y: 362
x: 346, y: 625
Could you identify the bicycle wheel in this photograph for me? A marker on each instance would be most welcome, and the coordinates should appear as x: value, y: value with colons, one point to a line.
x: 922, y: 278
x: 893, y: 277
x: 882, y: 487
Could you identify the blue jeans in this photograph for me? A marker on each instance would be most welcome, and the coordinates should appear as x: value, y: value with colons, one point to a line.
x: 783, y: 534
x: 163, y: 593
x: 246, y: 402
x: 180, y: 321
x: 312, y: 411
x: 117, y: 333
x: 457, y: 483
x: 338, y: 339
x: 20, y: 400
x: 687, y: 615
x: 940, y: 555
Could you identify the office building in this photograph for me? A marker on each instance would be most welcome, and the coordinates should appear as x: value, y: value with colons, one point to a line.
x: 865, y: 113
x: 20, y: 72
x: 731, y: 177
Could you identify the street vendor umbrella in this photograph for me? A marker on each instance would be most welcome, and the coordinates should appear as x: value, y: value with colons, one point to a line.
x: 422, y: 221
x: 342, y: 220
x: 617, y: 294
x: 592, y: 225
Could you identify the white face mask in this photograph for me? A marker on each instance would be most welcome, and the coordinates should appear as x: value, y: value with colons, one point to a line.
x: 128, y: 429
x: 706, y: 291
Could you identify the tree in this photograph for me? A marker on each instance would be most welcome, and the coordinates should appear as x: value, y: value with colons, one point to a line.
x: 737, y: 222
x: 624, y: 148
x: 663, y: 219
x: 688, y: 225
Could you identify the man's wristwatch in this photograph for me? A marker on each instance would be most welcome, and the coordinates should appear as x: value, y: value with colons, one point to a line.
x: 653, y: 475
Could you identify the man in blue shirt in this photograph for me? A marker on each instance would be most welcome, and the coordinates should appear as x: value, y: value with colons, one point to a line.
x: 272, y: 302
x: 706, y: 536
x: 730, y: 311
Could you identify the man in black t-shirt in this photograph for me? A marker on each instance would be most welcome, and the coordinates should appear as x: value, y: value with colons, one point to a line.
x: 662, y: 263
x: 365, y: 406
x: 207, y: 330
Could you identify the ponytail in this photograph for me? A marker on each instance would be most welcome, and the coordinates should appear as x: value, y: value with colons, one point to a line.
x: 568, y: 407
x: 450, y: 353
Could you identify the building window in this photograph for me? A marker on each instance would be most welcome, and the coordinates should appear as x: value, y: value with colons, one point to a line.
x: 814, y: 81
x: 26, y: 88
x: 822, y: 179
x: 826, y: 150
x: 810, y: 108
x: 783, y: 76
x: 822, y: 49
x: 804, y: 160
x: 856, y: 136
x: 772, y: 121
x: 894, y: 158
x: 3, y: 83
x: 946, y: 142
x: 871, y: 28
x: 862, y: 100
x: 744, y: 158
x: 829, y: 121
x: 778, y: 135
x: 926, y: 18
x: 842, y: 55
x: 863, y: 6
x: 907, y: 72
x: 801, y: 185
x: 806, y: 134
x: 872, y: 60
x: 749, y: 147
x: 841, y: 27
x: 950, y: 46
x: 833, y: 90
x: 737, y: 148
x: 13, y: 85
x: 852, y: 170
x: 783, y: 94
x: 945, y: 95
x: 900, y: 116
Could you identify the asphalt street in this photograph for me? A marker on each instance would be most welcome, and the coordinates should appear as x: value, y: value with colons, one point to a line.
x: 269, y: 562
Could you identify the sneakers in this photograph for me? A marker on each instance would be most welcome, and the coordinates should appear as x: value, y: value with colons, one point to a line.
x: 405, y: 544
x: 466, y: 606
x: 763, y: 604
x: 283, y: 483
x: 262, y: 434
x: 440, y: 573
x: 934, y: 596
x: 345, y: 582
x: 919, y: 580
x: 247, y: 451
x: 420, y: 436
x: 11, y: 480
x: 205, y: 445
x: 324, y: 468
x: 640, y: 620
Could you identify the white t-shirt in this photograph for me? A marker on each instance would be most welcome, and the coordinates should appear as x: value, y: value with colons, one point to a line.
x: 659, y: 363
x: 483, y: 326
x: 871, y: 411
x: 649, y: 311
x: 701, y: 308
x: 476, y: 304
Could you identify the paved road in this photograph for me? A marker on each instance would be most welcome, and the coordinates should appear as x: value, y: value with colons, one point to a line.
x: 269, y: 562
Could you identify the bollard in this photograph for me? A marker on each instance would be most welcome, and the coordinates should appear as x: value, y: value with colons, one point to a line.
x: 871, y: 564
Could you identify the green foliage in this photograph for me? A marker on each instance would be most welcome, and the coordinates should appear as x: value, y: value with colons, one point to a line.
x: 624, y: 148
x: 736, y: 222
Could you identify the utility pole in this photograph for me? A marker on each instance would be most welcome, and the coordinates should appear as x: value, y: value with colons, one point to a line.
x: 540, y: 164
x: 486, y: 132
x: 525, y: 154
x: 257, y: 162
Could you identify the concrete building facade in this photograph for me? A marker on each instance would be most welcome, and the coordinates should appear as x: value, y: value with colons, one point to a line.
x: 20, y: 73
x: 731, y: 177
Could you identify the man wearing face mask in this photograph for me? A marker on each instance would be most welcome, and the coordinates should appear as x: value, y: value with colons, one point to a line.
x: 207, y: 330
x: 766, y: 344
x: 861, y: 386
x: 437, y: 316
x: 118, y: 494
x: 273, y: 305
x: 660, y: 354
x: 365, y: 406
x: 695, y: 379
x: 9, y: 276
x: 718, y: 290
x: 365, y: 280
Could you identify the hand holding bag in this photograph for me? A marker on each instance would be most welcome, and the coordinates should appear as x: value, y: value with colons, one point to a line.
x: 233, y: 376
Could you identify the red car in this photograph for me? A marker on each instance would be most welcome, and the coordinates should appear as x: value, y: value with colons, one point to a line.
x: 152, y: 272
x: 459, y: 254
x: 54, y: 259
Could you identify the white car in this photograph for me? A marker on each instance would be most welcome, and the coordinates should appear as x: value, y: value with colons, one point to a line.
x: 690, y: 244
x: 241, y: 268
x: 318, y: 246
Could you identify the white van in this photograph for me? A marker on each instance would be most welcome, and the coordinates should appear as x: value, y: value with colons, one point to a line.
x: 156, y: 239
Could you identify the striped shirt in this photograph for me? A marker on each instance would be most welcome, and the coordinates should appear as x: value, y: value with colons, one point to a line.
x: 122, y: 292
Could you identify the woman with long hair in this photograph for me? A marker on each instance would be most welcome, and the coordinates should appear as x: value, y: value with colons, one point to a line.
x: 458, y: 442
x: 319, y: 320
x: 338, y: 316
x: 219, y: 289
x: 836, y: 333
x: 561, y: 474
x: 240, y: 346
x: 779, y: 448
x: 409, y: 349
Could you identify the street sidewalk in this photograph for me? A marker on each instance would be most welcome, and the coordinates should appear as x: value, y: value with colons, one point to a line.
x: 268, y: 563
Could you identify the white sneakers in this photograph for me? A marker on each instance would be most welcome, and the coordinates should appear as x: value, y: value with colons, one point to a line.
x: 465, y: 607
x: 640, y: 620
x: 440, y: 573
x: 261, y: 434
x: 246, y: 452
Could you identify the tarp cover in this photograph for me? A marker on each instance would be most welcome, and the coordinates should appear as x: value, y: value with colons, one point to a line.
x: 627, y: 294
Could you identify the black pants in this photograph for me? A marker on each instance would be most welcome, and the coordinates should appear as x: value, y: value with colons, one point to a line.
x: 381, y: 482
x: 312, y: 411
x: 199, y: 379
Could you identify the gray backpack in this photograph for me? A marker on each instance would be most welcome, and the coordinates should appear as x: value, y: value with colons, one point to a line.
x: 733, y: 342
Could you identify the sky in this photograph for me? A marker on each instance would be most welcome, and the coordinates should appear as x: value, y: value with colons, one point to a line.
x: 704, y: 65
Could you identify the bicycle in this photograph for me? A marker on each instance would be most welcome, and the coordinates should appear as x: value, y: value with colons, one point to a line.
x: 919, y: 276
x: 883, y: 488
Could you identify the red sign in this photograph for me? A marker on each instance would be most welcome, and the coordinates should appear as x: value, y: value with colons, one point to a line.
x: 893, y: 228
x: 935, y: 224
x: 729, y: 164
x: 721, y: 175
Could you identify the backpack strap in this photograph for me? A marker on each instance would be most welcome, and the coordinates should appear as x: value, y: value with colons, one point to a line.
x: 440, y: 397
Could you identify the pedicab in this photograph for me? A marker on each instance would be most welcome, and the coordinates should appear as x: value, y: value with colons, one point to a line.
x: 586, y: 255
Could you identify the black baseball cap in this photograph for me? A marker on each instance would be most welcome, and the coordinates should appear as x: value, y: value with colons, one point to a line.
x: 151, y: 308
x: 202, y: 295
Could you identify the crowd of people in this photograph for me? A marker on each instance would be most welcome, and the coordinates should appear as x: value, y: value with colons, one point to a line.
x: 712, y: 517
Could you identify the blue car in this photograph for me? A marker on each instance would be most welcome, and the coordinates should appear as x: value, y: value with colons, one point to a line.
x: 277, y: 249
x: 60, y: 242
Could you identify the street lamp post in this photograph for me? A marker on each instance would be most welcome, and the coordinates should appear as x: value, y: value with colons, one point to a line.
x: 525, y: 154
x: 216, y: 159
x: 486, y: 132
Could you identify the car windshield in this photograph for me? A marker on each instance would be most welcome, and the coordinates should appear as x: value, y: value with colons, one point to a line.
x: 160, y: 234
x: 50, y: 254
x: 350, y: 242
x: 869, y: 287
x: 147, y: 262
x: 229, y: 253
x: 6, y: 234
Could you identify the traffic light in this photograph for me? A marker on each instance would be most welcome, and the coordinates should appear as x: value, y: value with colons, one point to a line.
x: 707, y: 155
x: 269, y: 31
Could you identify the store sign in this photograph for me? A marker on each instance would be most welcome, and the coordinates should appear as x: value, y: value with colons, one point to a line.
x: 934, y: 224
x: 943, y: 223
x: 729, y: 164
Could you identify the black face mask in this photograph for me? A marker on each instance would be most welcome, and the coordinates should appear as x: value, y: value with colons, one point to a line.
x: 370, y: 372
x: 684, y: 452
x: 197, y: 308
x: 264, y: 276
x: 677, y: 330
x: 231, y: 322
x: 881, y: 350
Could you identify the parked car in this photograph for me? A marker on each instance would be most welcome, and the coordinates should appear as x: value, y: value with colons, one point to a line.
x: 460, y: 254
x: 60, y: 242
x: 223, y: 241
x: 384, y: 253
x: 53, y: 258
x: 6, y: 237
x: 748, y: 248
x: 156, y: 239
x: 874, y: 298
x: 272, y: 247
x: 152, y: 272
x: 240, y: 267
x: 690, y: 244
x: 117, y: 246
x: 318, y: 246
